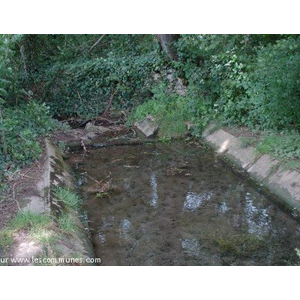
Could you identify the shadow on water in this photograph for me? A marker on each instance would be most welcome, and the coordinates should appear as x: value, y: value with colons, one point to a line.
x: 174, y: 204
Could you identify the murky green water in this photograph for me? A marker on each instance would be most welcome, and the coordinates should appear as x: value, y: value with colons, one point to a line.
x: 174, y: 204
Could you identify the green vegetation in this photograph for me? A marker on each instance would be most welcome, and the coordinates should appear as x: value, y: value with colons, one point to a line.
x: 67, y: 223
x: 6, y: 238
x: 284, y: 146
x: 241, y: 246
x: 172, y: 111
x: 22, y: 120
x: 39, y: 227
x: 248, y: 141
x: 68, y: 197
x: 30, y: 220
x: 236, y: 80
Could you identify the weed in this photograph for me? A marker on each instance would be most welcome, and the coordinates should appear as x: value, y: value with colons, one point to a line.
x: 248, y: 141
x: 67, y: 197
x: 67, y: 224
x: 285, y: 147
x: 30, y: 220
x: 102, y: 195
x: 165, y: 139
x: 45, y: 236
x: 6, y: 238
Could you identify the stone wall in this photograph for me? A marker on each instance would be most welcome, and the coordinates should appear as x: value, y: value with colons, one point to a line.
x: 263, y: 169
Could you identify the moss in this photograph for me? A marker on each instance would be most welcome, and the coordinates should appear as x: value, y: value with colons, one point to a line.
x: 241, y: 246
x: 6, y: 238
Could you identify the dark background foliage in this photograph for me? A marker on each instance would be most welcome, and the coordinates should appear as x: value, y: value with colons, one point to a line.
x: 248, y: 80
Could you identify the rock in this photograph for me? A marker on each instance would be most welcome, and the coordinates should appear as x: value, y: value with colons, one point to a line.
x: 95, y: 129
x: 189, y: 125
x: 90, y: 135
x: 147, y: 126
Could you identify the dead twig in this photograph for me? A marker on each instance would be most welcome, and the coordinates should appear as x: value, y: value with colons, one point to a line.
x: 98, y: 41
x: 14, y: 195
x: 83, y: 146
x: 24, y: 174
x: 79, y: 96
x: 29, y: 177
x: 109, y: 103
x: 106, y: 120
x: 134, y: 132
x: 98, y: 182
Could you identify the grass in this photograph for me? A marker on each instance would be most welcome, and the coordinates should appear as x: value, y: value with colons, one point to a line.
x: 67, y: 224
x: 248, y: 142
x: 45, y: 236
x: 43, y: 229
x: 68, y: 197
x: 283, y: 146
x: 38, y: 225
x: 6, y: 238
x: 169, y: 110
x: 30, y: 220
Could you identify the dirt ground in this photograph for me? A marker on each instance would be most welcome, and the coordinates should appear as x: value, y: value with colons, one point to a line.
x: 242, y: 132
x: 20, y: 185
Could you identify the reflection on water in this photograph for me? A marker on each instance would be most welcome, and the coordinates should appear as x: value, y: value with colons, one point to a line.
x: 258, y: 220
x: 102, y: 238
x: 199, y: 214
x: 125, y: 229
x: 223, y: 207
x: 191, y: 247
x: 195, y: 200
x: 154, y: 196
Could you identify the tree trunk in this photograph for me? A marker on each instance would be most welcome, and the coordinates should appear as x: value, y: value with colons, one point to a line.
x: 166, y: 42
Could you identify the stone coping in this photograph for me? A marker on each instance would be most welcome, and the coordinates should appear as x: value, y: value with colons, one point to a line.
x: 263, y: 169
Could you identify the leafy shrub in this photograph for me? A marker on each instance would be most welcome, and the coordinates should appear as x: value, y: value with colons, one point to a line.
x: 20, y: 128
x: 275, y: 85
x: 84, y: 88
x: 245, y: 80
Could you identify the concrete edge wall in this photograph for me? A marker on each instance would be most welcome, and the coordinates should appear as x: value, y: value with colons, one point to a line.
x: 263, y: 169
x: 57, y: 173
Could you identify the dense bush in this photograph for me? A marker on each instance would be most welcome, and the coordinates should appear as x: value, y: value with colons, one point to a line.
x: 84, y: 88
x: 251, y: 81
x: 274, y: 88
x: 20, y: 128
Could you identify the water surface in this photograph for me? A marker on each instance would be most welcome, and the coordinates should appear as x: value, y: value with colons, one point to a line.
x: 176, y: 204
